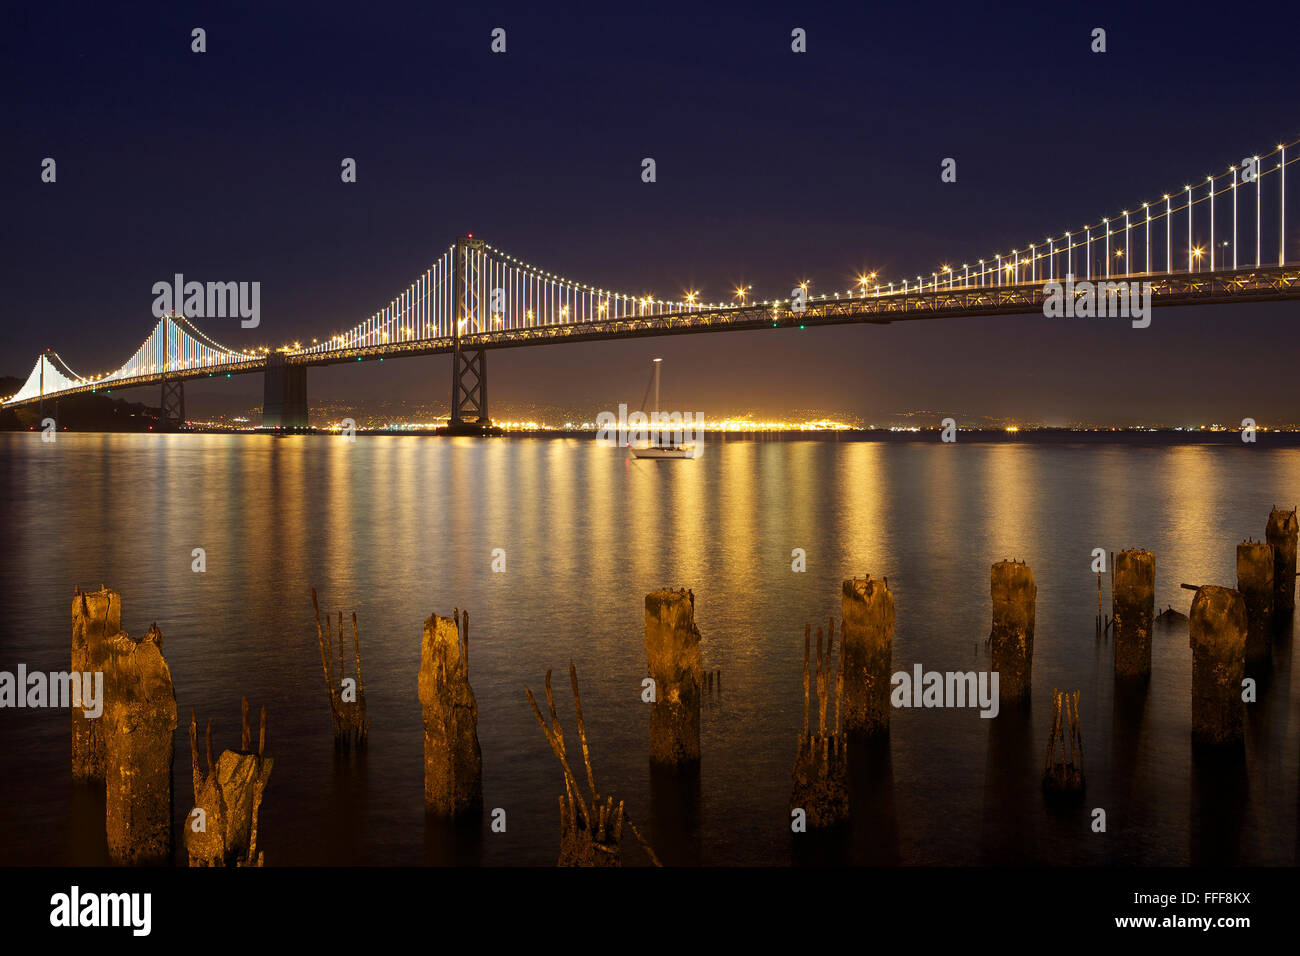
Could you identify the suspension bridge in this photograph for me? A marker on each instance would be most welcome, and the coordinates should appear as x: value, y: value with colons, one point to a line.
x: 1221, y: 240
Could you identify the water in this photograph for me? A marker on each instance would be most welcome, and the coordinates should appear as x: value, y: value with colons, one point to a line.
x: 399, y: 528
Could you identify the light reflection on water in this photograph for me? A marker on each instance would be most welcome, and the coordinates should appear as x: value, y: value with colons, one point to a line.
x: 398, y: 528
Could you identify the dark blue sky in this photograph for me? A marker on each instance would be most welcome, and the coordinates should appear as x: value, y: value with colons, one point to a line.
x: 772, y: 167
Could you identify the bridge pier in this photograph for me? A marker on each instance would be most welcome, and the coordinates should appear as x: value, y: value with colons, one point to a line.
x: 469, y: 389
x: 284, y: 396
x: 173, y: 405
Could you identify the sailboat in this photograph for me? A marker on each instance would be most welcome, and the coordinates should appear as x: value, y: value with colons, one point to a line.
x: 656, y: 448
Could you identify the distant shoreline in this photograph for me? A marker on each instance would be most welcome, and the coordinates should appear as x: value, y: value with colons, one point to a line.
x: 1041, y: 436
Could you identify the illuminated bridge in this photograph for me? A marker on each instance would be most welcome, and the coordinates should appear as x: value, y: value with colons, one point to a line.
x: 1220, y: 240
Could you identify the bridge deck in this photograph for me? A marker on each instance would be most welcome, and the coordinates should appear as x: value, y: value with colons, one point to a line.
x: 1268, y: 284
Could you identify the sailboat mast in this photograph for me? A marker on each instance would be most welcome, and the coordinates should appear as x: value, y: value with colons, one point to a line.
x: 657, y: 364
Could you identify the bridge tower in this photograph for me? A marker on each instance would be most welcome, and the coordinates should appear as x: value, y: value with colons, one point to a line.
x: 469, y: 408
x: 173, y: 390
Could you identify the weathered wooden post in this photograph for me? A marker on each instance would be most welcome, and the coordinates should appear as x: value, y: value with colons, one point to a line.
x: 1218, y: 637
x: 821, y: 764
x: 221, y: 830
x: 140, y: 717
x: 96, y: 617
x: 591, y: 829
x: 866, y: 646
x: 1063, y: 766
x: 453, y: 761
x: 1255, y: 582
x: 347, y: 695
x: 1011, y: 640
x: 1281, y: 535
x: 1134, y: 609
x: 672, y: 644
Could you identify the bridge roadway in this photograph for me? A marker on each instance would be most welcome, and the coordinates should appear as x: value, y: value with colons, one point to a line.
x: 1266, y: 284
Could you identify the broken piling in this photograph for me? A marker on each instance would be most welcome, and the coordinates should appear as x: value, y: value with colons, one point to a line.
x: 820, y: 787
x: 1134, y: 604
x: 139, y: 720
x: 1255, y: 565
x: 591, y: 830
x: 1217, y: 632
x: 672, y: 644
x: 453, y: 761
x: 347, y: 695
x: 96, y: 617
x: 1011, y: 640
x: 866, y: 648
x: 221, y: 829
x: 1281, y: 535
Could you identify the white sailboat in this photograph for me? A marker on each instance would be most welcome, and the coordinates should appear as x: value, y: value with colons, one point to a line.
x: 656, y: 448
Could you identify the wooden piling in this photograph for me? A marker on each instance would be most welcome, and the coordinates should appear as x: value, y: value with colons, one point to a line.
x: 453, y: 760
x: 866, y: 650
x: 96, y: 617
x: 1255, y: 566
x: 591, y: 829
x: 347, y: 705
x: 820, y: 785
x: 1134, y: 596
x: 1281, y: 535
x: 1063, y: 772
x: 229, y: 795
x: 139, y: 721
x: 1011, y: 639
x: 672, y: 644
x: 1218, y: 637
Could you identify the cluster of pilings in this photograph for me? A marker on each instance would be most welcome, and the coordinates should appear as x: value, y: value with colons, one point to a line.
x: 130, y: 750
x: 221, y: 830
x: 129, y: 747
x: 347, y: 695
x: 852, y: 697
x: 1230, y: 628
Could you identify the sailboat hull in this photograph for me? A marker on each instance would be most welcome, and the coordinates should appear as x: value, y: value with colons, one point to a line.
x: 667, y: 452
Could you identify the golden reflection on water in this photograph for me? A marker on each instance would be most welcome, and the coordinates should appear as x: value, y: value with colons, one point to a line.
x: 403, y: 526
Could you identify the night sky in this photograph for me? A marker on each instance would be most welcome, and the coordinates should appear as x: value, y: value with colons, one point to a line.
x: 772, y: 167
